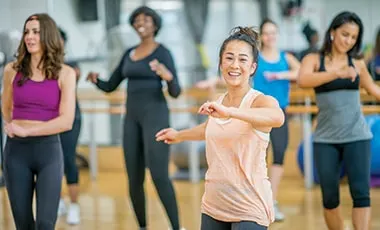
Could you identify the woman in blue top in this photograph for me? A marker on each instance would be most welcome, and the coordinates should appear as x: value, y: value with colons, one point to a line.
x: 274, y: 72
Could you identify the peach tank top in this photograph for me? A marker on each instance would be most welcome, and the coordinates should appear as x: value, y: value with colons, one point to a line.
x: 237, y: 187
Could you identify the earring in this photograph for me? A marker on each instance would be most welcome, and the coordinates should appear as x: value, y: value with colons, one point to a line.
x: 331, y: 37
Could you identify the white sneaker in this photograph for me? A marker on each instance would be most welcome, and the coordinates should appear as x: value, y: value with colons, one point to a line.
x: 278, y: 215
x: 61, y: 208
x: 73, y: 214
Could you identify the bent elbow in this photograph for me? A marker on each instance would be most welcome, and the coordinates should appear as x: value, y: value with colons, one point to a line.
x: 301, y: 82
x: 175, y: 93
x: 107, y: 90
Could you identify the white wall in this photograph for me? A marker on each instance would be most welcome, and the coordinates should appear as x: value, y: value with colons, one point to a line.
x: 368, y: 11
x: 85, y: 40
x: 320, y: 13
x: 89, y: 38
x: 5, y: 14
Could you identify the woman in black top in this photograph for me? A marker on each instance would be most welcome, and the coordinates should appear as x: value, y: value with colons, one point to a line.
x: 146, y: 66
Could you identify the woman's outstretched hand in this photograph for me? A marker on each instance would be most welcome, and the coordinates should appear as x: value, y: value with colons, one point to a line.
x: 168, y: 135
x: 92, y: 77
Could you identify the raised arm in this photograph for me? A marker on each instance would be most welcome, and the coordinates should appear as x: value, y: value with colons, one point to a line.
x: 172, y: 136
x: 113, y: 82
x: 65, y: 119
x: 174, y: 88
x: 366, y: 81
x: 294, y: 65
x: 7, y: 96
x: 264, y: 114
x: 308, y: 77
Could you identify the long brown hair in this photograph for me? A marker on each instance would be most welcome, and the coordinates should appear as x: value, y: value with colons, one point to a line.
x: 52, y: 48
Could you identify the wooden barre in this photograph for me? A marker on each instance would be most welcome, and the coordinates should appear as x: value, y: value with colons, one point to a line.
x: 295, y: 95
x: 293, y: 109
x: 122, y: 110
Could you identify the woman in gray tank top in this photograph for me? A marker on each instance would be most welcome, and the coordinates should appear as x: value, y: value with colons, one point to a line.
x: 341, y: 135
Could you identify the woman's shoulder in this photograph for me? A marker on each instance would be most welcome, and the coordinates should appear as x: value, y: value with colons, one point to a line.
x: 262, y: 100
x: 10, y: 67
x: 10, y: 72
x: 66, y: 69
x: 162, y: 48
x: 66, y: 72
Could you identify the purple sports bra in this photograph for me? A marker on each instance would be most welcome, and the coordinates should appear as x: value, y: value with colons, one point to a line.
x: 35, y: 100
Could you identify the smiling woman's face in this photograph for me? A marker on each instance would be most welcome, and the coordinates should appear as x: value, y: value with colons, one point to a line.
x: 237, y: 63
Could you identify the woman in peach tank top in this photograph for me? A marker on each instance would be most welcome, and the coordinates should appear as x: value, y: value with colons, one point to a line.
x: 237, y: 193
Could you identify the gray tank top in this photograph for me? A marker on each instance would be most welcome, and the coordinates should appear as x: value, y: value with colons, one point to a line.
x: 340, y: 118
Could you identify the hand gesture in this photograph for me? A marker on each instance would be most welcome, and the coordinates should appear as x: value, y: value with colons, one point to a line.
x: 12, y: 129
x: 169, y: 136
x: 92, y: 77
x: 215, y: 110
x: 348, y: 72
x: 159, y: 68
x: 270, y: 76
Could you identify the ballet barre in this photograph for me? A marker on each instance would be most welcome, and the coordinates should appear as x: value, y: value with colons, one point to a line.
x: 306, y: 97
x: 306, y: 110
x: 194, y: 157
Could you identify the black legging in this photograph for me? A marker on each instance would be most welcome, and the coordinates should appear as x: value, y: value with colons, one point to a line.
x: 69, y: 142
x: 141, y: 150
x: 209, y: 223
x: 356, y: 157
x: 34, y: 163
x: 279, y: 138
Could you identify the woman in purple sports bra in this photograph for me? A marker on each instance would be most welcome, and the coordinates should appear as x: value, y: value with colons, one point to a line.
x: 38, y: 103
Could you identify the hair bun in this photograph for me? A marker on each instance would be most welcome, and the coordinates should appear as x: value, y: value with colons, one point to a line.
x: 249, y: 32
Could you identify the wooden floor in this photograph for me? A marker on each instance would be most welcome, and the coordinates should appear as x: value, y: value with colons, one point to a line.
x: 105, y: 205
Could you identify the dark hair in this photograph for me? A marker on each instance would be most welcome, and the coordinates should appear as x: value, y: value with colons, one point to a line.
x: 377, y: 45
x: 52, y: 48
x: 63, y: 34
x: 339, y: 20
x: 148, y: 12
x: 308, y: 31
x: 246, y: 34
x: 263, y: 23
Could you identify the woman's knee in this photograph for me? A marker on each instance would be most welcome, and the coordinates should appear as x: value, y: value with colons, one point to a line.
x: 330, y: 191
x: 360, y: 193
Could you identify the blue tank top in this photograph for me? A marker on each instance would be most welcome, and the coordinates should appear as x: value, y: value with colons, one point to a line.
x: 278, y: 89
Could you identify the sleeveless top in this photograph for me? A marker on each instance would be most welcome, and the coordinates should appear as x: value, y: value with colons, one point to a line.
x: 237, y: 187
x: 35, y: 100
x: 340, y: 118
x: 278, y: 89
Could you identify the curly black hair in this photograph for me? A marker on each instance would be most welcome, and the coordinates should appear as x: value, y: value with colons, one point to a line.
x: 149, y: 12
